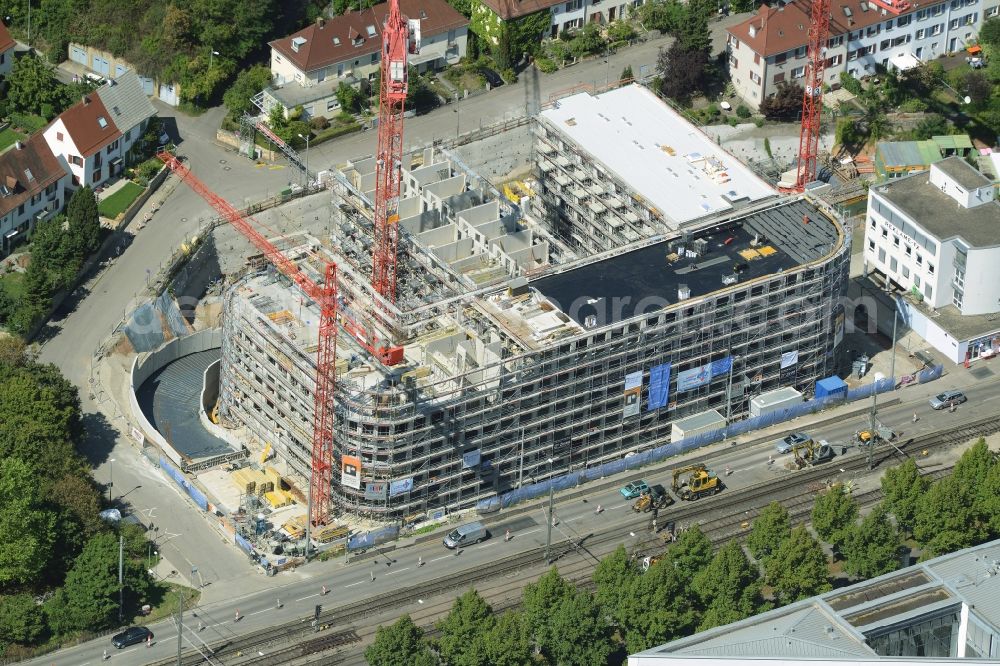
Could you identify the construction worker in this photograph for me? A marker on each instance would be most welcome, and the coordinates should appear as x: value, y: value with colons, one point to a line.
x: 599, y: 509
x: 914, y: 417
x: 237, y: 615
x: 506, y: 535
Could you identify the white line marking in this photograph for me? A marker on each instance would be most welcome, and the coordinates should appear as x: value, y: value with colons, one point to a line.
x: 389, y: 573
x: 443, y: 557
x: 353, y: 584
x: 262, y: 610
x: 530, y: 531
x: 309, y: 597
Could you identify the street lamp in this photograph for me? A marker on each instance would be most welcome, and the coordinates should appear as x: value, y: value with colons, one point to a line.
x: 111, y: 475
x: 306, y: 138
x: 458, y: 117
x: 211, y: 57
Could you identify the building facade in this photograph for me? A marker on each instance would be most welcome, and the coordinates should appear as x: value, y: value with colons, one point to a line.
x: 491, y: 16
x: 769, y: 49
x: 94, y: 137
x: 32, y: 189
x: 107, y: 65
x: 308, y: 66
x: 7, y: 45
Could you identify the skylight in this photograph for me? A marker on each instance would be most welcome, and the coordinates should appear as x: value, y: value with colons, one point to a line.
x: 847, y: 11
x: 336, y: 41
x: 115, y: 109
x: 371, y: 31
x: 102, y: 122
x: 27, y: 174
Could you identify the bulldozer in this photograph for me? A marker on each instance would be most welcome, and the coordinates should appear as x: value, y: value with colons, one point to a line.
x: 701, y: 481
x: 868, y: 436
x: 810, y: 453
x: 655, y: 497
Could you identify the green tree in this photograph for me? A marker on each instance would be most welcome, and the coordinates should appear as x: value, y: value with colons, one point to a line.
x: 84, y: 223
x: 833, y: 512
x: 32, y: 86
x: 21, y: 619
x: 578, y: 634
x: 470, y: 616
x: 27, y: 526
x: 851, y: 84
x: 989, y: 32
x: 662, y: 607
x: 771, y: 528
x: 620, y: 31
x: 692, y: 33
x: 626, y: 74
x: 588, y: 41
x: 664, y: 15
x: 929, y: 126
x: 506, y: 643
x: 786, y: 104
x: 945, y: 520
x: 539, y: 601
x: 872, y: 548
x: 729, y: 587
x: 248, y: 83
x: 614, y: 577
x: 54, y: 256
x: 741, y: 6
x: 400, y: 644
x: 691, y: 553
x: 972, y: 471
x: 682, y: 71
x: 903, y: 486
x: 797, y: 569
x: 349, y: 97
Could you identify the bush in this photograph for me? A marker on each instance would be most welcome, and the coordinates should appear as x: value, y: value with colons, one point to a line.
x: 913, y: 106
x: 759, y: 122
x: 319, y: 123
x: 145, y: 171
x: 742, y: 111
x: 733, y: 122
x: 559, y: 52
x: 545, y: 65
x: 509, y: 75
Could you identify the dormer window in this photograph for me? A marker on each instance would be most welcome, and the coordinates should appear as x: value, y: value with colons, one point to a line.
x: 102, y: 121
x: 371, y: 30
x: 336, y: 41
x: 423, y: 14
x: 298, y: 43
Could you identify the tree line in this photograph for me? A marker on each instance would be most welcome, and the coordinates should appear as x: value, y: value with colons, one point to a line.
x: 693, y: 587
x: 58, y: 559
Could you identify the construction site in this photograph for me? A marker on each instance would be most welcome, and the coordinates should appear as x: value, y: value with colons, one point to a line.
x: 528, y: 339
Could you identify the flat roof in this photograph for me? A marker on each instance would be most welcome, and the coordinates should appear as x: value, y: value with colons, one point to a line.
x: 676, y: 167
x: 700, y: 420
x: 963, y: 173
x: 939, y: 214
x: 647, y: 279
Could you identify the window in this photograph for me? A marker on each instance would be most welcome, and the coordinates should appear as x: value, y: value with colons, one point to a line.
x: 20, y: 209
x: 870, y: 49
x: 36, y: 198
x: 993, y: 11
x: 835, y: 60
x: 906, y: 271
x: 277, y: 58
x: 928, y: 290
x: 904, y: 20
x: 888, y: 25
x: 937, y: 30
x: 778, y: 78
x: 853, y: 55
x: 930, y: 269
x: 780, y: 58
x: 798, y: 72
x: 733, y: 62
x: 970, y: 19
x: 756, y: 58
x: 835, y: 41
x: 920, y: 260
x: 374, y: 58
x: 96, y: 176
x: 922, y: 14
x: 76, y: 160
x: 957, y: 299
x: 102, y: 121
x: 59, y: 136
x: 871, y: 223
x: 885, y: 232
x: 881, y: 255
x: 128, y: 135
x: 916, y: 280
x: 895, y: 241
x: 755, y: 77
x: 953, y: 24
x: 909, y: 250
x: 937, y: 10
x: 920, y: 35
x: 800, y: 52
x: 874, y: 30
x: 332, y: 104
x: 871, y: 245
x: 893, y: 264
x: 884, y: 45
x: 956, y: 4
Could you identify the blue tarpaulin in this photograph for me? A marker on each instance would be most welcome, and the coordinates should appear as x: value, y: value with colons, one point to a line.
x: 831, y: 386
x: 722, y: 366
x: 659, y: 386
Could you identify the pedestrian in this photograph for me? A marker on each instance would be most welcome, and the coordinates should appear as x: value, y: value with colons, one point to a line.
x: 105, y: 657
x: 951, y: 405
x: 201, y: 626
x: 278, y: 600
x: 420, y: 561
x: 237, y: 615
x: 373, y: 575
x: 506, y: 535
x: 599, y: 509
x: 914, y: 417
x: 149, y: 640
x: 323, y: 591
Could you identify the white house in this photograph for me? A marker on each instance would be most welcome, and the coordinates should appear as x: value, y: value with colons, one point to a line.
x: 32, y: 186
x: 563, y: 15
x: 308, y: 66
x: 769, y: 48
x: 934, y: 237
x: 7, y: 45
x: 93, y: 137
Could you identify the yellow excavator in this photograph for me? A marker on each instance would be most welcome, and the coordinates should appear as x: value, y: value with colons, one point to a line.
x: 700, y: 482
x: 810, y: 453
x: 655, y: 497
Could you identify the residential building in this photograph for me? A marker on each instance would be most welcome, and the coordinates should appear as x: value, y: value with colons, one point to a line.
x: 107, y: 65
x: 7, y: 45
x: 490, y: 16
x: 942, y: 612
x: 932, y: 238
x: 769, y: 48
x: 32, y: 188
x: 894, y: 159
x: 308, y: 66
x: 93, y: 137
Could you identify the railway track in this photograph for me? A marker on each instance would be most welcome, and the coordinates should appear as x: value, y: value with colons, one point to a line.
x: 737, y: 506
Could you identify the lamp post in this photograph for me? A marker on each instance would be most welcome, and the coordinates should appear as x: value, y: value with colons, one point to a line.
x: 306, y: 138
x: 111, y: 479
x: 458, y: 114
x: 211, y: 57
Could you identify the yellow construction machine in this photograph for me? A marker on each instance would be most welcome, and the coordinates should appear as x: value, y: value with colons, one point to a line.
x: 655, y: 497
x: 810, y: 452
x: 701, y: 481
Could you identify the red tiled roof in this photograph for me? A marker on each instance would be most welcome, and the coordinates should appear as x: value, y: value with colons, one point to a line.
x: 33, y: 156
x: 82, y: 121
x: 783, y: 28
x: 6, y: 41
x: 509, y: 9
x: 320, y: 49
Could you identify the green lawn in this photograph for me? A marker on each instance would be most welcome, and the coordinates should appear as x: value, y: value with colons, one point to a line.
x: 8, y: 137
x: 13, y: 284
x: 116, y: 204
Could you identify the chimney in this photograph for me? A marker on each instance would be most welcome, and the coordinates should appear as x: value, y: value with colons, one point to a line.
x: 85, y: 100
x: 320, y: 22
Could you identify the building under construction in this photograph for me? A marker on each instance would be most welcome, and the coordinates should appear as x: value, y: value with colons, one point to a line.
x: 517, y: 349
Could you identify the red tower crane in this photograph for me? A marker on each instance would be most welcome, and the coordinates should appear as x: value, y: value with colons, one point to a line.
x: 812, y: 100
x: 325, y: 297
x: 398, y: 38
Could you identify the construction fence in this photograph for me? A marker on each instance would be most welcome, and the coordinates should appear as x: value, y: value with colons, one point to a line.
x: 179, y: 478
x: 685, y: 445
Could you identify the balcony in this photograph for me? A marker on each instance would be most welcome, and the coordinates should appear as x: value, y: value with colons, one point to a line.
x: 895, y: 7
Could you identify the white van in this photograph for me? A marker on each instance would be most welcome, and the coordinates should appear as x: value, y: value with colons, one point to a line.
x: 466, y: 535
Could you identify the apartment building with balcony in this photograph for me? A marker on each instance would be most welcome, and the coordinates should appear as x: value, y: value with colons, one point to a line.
x: 308, y: 66
x: 32, y: 186
x: 769, y: 48
x: 932, y: 239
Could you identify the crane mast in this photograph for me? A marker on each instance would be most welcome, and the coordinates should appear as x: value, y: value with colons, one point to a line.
x: 389, y: 157
x: 812, y: 99
x: 325, y: 298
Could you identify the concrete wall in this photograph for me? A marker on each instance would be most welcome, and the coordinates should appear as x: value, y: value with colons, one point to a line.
x: 497, y: 151
x: 145, y: 365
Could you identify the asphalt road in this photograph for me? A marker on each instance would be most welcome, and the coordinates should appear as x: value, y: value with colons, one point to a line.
x: 299, y: 592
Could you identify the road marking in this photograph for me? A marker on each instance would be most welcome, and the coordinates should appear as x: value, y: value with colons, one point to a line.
x: 309, y: 597
x: 443, y: 557
x: 618, y: 506
x: 530, y: 531
x: 353, y: 584
x: 389, y: 573
x: 262, y: 610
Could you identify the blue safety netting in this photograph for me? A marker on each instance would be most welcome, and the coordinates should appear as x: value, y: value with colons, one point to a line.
x: 144, y: 328
x: 179, y: 478
x: 373, y: 538
x: 930, y: 374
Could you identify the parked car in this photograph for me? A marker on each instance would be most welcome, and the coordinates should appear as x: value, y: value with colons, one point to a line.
x: 785, y: 444
x: 942, y: 400
x: 131, y: 636
x: 634, y: 489
x: 492, y: 78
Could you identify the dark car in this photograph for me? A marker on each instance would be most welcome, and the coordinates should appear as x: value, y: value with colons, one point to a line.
x: 131, y: 636
x: 492, y: 78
